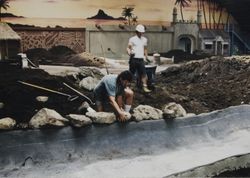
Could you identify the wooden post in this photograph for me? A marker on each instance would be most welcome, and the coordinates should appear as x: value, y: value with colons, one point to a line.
x: 7, y: 50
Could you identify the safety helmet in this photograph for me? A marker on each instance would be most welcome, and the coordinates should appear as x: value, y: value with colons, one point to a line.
x: 140, y: 28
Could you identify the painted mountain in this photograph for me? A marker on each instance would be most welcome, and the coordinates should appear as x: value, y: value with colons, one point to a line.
x: 9, y: 15
x: 102, y: 15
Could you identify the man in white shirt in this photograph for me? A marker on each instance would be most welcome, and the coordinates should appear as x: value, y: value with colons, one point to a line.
x: 137, y: 50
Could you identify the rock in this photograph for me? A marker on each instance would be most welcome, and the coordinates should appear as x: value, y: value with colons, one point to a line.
x: 88, y: 83
x: 79, y: 120
x: 173, y: 110
x: 47, y: 117
x: 7, y: 123
x: 102, y: 117
x: 167, y: 113
x: 145, y: 112
x: 127, y: 116
x: 1, y: 105
x: 90, y: 72
x: 42, y: 99
x: 190, y: 115
x: 22, y: 125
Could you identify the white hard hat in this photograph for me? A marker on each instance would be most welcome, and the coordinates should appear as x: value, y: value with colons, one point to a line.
x: 140, y: 28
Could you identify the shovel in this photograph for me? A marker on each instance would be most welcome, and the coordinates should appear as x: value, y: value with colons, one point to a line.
x: 87, y: 98
x: 70, y: 97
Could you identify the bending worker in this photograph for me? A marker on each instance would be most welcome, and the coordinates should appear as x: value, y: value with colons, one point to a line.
x: 137, y: 50
x: 115, y: 90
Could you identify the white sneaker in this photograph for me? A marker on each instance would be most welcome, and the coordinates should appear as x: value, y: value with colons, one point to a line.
x: 146, y: 90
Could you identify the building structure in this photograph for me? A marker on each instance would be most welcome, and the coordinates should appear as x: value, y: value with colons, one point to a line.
x: 9, y: 42
x: 111, y: 40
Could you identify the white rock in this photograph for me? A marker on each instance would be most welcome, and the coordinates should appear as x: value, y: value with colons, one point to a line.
x: 173, y: 110
x: 47, y: 117
x: 89, y: 83
x: 145, y: 112
x: 7, y: 123
x: 79, y: 120
x: 1, y: 105
x: 102, y: 117
x: 42, y: 99
x: 127, y: 116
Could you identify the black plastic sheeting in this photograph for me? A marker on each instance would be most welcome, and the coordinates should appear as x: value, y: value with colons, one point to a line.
x: 119, y: 140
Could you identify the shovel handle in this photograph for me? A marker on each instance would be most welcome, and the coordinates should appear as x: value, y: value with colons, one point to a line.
x: 72, y: 98
x: 87, y: 98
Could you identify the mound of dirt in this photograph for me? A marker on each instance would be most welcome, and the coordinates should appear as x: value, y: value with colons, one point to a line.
x: 182, y: 56
x: 62, y: 55
x: 61, y: 51
x: 20, y: 100
x: 204, y: 85
x: 39, y: 55
x: 86, y: 59
x: 199, y: 86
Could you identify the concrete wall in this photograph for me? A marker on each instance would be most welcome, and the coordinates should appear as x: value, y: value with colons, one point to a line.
x: 109, y: 40
x: 112, y: 41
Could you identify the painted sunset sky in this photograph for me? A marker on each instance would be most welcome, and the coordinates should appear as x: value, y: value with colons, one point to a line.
x: 158, y: 10
x: 71, y: 13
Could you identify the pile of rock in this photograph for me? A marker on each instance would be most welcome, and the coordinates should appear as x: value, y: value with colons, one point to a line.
x: 45, y: 117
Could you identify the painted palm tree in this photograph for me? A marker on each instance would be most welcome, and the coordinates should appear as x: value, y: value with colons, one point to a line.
x: 220, y: 8
x: 214, y: 12
x: 209, y: 13
x: 204, y: 11
x: 134, y: 20
x: 182, y: 4
x: 213, y: 9
x: 3, y: 4
x: 198, y: 4
x: 127, y: 13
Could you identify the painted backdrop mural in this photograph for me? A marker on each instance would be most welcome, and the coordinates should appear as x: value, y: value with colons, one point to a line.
x: 73, y: 13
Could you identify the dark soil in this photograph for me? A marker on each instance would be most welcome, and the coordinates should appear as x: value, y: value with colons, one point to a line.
x: 182, y: 56
x: 242, y: 172
x: 62, y: 55
x: 57, y: 54
x: 20, y: 100
x: 199, y: 86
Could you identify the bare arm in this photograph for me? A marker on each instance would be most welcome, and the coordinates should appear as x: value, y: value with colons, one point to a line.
x: 145, y: 52
x: 129, y: 50
x: 117, y: 108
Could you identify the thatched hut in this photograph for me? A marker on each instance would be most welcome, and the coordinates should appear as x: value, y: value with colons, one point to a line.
x: 10, y: 42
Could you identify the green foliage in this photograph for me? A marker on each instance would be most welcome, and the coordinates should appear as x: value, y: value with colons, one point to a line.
x: 127, y: 13
x: 182, y: 4
x: 5, y: 5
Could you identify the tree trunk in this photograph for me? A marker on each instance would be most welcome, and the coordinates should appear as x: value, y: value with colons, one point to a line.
x: 204, y: 12
x: 214, y: 13
x: 209, y: 13
x: 0, y: 14
x: 181, y: 13
x: 198, y: 5
x: 218, y: 24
